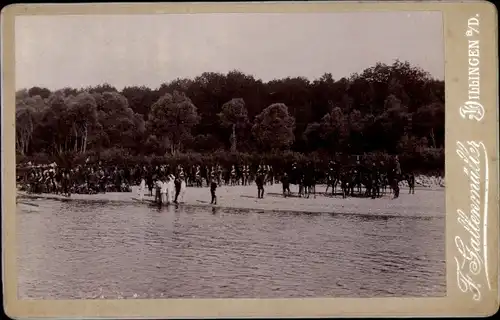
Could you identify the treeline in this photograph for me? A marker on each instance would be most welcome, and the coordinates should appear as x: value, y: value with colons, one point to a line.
x: 390, y: 109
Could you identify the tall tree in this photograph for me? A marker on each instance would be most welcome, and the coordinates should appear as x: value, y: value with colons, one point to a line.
x: 25, y: 124
x: 172, y: 117
x: 140, y: 99
x: 428, y: 121
x: 334, y: 129
x: 234, y: 115
x: 273, y: 128
x: 55, y: 125
x: 121, y: 125
x: 82, y: 111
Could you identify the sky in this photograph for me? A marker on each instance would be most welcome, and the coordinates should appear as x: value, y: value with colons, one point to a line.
x: 126, y: 50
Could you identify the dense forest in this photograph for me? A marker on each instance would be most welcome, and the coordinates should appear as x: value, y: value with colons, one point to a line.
x: 386, y: 109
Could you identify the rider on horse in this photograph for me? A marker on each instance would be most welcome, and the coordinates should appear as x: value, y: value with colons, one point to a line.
x: 397, y: 176
x: 397, y: 167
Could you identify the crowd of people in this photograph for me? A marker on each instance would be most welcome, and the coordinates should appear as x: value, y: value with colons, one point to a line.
x: 168, y: 183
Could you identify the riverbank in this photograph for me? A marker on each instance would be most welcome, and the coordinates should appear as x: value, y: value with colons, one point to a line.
x: 425, y: 201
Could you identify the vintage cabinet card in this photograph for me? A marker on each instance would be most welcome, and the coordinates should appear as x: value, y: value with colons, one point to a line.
x: 288, y: 159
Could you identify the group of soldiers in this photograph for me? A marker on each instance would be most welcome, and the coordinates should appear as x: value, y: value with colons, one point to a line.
x: 83, y: 179
x: 359, y: 178
x: 235, y: 175
x: 373, y: 177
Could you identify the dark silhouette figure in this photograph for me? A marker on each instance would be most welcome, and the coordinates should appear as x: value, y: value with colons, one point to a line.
x: 259, y: 181
x: 285, y: 181
x: 213, y: 188
x: 177, y: 184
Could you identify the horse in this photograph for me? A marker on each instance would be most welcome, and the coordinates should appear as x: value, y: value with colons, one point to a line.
x: 368, y: 183
x: 394, y: 180
x: 374, y: 185
x: 309, y: 183
x: 345, y: 183
x: 332, y: 179
x: 295, y: 177
x: 351, y: 178
x: 383, y: 182
x: 410, y: 179
x: 357, y: 180
x: 331, y: 182
x: 372, y: 182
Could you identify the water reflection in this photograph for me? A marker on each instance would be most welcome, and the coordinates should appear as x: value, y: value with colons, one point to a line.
x: 81, y: 250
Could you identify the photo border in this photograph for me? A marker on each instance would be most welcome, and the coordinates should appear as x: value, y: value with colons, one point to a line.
x: 475, y: 126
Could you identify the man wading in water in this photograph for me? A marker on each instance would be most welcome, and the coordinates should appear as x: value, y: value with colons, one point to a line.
x: 158, y: 187
x: 150, y: 183
x: 177, y: 183
x: 213, y: 187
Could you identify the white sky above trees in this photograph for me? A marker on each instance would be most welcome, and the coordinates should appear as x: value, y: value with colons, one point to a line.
x: 79, y: 51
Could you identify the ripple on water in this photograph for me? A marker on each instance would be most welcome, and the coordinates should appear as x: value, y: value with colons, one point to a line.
x: 77, y: 250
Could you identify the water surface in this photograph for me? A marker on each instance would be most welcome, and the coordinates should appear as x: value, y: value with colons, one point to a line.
x: 72, y: 250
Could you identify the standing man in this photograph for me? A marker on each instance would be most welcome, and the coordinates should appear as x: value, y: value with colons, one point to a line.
x: 397, y: 176
x: 197, y: 176
x: 170, y: 188
x: 285, y: 180
x: 164, y: 190
x: 270, y: 174
x: 397, y: 166
x: 177, y: 184
x: 183, y: 187
x: 259, y: 181
x: 246, y: 174
x: 213, y: 188
x: 233, y: 175
x: 158, y: 187
x: 374, y: 177
x: 142, y: 188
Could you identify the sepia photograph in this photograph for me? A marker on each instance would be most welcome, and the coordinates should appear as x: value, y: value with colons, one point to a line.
x: 230, y: 155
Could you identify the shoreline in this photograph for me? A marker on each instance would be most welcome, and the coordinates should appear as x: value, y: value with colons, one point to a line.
x: 425, y: 202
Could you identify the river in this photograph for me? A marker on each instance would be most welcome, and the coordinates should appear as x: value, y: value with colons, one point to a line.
x: 84, y: 250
